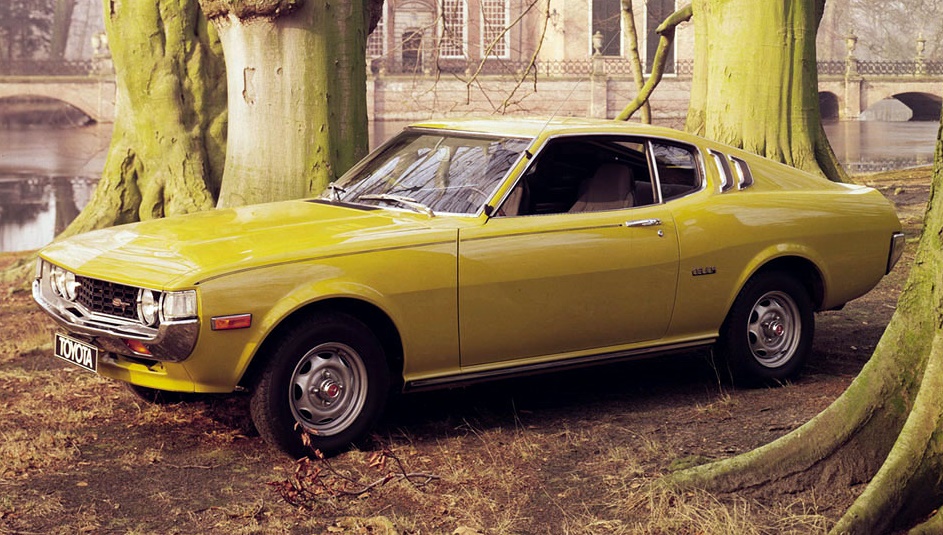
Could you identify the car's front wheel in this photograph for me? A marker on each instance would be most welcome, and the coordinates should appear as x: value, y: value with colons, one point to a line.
x: 767, y: 335
x: 327, y: 376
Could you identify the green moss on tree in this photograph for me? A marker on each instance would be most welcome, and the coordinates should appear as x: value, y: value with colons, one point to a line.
x: 298, y: 123
x: 168, y: 145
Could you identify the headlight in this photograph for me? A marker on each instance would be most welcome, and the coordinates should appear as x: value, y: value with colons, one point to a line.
x: 178, y: 305
x: 57, y: 278
x: 69, y: 286
x: 148, y: 307
x: 63, y: 282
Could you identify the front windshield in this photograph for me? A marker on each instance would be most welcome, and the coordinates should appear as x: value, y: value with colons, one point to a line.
x: 443, y: 172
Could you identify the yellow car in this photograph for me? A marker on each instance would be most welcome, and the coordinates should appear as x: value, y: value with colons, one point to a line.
x: 462, y: 251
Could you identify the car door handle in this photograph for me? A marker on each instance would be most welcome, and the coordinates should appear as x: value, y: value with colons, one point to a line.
x: 642, y: 223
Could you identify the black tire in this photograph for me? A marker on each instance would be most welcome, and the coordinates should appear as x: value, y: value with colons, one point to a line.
x: 767, y: 335
x: 327, y: 375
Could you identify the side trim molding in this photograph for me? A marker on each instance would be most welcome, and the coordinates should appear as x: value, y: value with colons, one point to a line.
x: 466, y: 378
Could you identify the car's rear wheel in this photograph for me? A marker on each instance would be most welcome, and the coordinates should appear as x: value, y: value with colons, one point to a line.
x: 327, y: 376
x: 767, y: 335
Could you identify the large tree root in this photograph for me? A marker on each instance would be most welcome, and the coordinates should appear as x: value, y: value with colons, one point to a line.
x: 886, y: 429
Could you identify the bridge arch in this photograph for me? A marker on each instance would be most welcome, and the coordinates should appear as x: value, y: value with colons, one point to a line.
x: 926, y: 107
x: 829, y: 105
x: 22, y: 109
x: 91, y: 96
x: 922, y: 97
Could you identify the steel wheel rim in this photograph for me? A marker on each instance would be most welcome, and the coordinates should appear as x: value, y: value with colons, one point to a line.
x: 774, y: 329
x: 328, y: 388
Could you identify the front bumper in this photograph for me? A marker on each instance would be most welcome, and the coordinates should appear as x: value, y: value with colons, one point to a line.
x: 169, y: 341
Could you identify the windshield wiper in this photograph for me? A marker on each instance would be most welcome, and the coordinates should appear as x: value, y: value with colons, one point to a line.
x: 405, y: 201
x: 336, y: 191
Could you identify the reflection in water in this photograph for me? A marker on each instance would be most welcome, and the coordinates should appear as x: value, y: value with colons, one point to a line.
x: 47, y: 174
x: 869, y: 146
x: 33, y: 209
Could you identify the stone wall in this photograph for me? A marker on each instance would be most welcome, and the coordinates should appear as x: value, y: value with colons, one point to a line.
x: 408, y: 98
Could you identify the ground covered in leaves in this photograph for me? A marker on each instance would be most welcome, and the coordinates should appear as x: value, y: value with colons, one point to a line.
x: 565, y: 453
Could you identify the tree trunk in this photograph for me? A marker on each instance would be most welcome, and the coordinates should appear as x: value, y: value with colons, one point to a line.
x: 61, y: 23
x: 299, y: 107
x: 887, y: 428
x: 297, y: 85
x: 755, y: 83
x: 168, y: 145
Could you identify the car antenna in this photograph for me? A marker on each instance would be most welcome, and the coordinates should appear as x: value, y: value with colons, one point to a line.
x: 554, y: 114
x: 567, y: 99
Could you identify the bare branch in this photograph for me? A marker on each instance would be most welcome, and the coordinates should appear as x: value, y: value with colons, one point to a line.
x: 635, y: 60
x: 316, y: 480
x: 667, y: 32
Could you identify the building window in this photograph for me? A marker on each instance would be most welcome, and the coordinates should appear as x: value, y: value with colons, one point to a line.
x: 494, y: 30
x: 454, y: 20
x: 607, y: 20
x: 656, y: 13
x: 376, y: 40
x: 411, y: 45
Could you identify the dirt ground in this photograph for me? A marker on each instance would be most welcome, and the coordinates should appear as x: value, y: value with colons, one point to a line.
x: 564, y: 453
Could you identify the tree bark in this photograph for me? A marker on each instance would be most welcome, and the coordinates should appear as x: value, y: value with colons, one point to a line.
x: 297, y: 84
x: 168, y: 144
x: 886, y: 429
x: 755, y: 83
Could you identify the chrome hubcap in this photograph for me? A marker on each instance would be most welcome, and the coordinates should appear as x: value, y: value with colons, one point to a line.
x: 328, y: 388
x: 774, y: 329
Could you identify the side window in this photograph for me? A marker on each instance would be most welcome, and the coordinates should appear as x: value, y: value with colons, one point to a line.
x: 676, y: 167
x: 582, y: 174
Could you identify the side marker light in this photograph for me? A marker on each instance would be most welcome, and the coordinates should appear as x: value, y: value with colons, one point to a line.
x: 226, y: 323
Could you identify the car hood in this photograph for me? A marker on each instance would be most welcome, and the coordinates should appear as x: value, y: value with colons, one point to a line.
x: 183, y: 251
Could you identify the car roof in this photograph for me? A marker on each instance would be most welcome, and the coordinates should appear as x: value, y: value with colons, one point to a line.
x: 531, y: 127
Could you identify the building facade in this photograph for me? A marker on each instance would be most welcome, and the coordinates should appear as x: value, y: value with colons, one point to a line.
x: 524, y: 57
x: 494, y: 36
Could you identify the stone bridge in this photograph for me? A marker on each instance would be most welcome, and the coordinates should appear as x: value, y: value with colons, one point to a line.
x: 847, y: 90
x: 88, y: 85
x: 93, y: 95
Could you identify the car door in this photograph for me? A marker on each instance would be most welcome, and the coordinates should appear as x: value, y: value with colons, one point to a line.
x: 552, y: 282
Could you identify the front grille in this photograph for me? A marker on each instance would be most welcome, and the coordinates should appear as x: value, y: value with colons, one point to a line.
x: 109, y: 298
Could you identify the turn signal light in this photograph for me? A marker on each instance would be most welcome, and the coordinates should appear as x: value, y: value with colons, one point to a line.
x: 138, y: 347
x: 225, y: 323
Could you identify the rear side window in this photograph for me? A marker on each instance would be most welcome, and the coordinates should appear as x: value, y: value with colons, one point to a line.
x: 677, y: 170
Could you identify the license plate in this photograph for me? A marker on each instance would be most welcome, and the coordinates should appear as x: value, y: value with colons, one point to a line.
x: 77, y: 352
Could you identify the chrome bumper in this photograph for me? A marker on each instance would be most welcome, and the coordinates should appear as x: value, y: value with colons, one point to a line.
x: 898, y: 243
x: 169, y: 341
